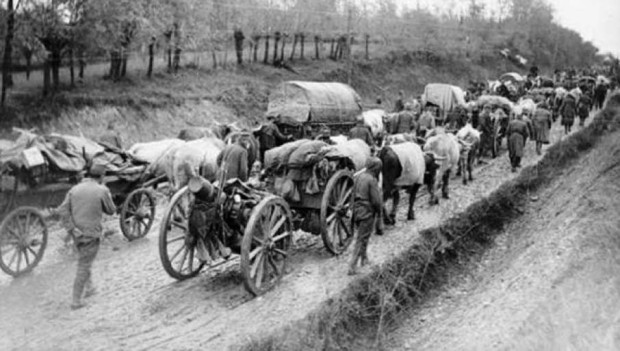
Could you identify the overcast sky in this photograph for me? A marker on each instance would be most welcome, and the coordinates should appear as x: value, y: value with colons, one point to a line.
x: 597, y: 21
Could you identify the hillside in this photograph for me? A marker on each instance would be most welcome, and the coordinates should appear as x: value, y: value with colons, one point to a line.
x: 148, y: 109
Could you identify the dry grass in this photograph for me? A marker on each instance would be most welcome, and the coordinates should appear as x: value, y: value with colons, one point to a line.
x: 358, y: 317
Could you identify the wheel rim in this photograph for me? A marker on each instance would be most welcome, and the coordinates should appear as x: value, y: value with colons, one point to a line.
x: 265, y: 246
x: 138, y: 214
x: 337, y: 213
x: 23, y: 238
x: 177, y: 251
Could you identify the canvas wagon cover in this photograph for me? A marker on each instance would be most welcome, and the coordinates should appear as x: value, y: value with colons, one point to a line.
x: 299, y: 102
x: 446, y: 96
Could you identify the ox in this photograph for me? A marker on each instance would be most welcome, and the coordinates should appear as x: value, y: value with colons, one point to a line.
x: 445, y: 149
x: 375, y: 120
x: 219, y: 131
x: 194, y: 157
x: 469, y: 141
x: 155, y: 153
x: 400, y: 138
x: 405, y: 166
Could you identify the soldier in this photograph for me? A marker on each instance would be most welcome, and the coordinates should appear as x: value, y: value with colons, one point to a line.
x: 405, y: 121
x: 360, y: 131
x: 366, y: 210
x: 269, y: 136
x: 427, y: 121
x: 82, y: 211
x: 518, y: 133
x: 235, y: 158
x: 399, y: 105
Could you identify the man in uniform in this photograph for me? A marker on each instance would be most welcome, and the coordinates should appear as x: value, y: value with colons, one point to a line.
x: 270, y: 136
x: 405, y: 121
x: 235, y: 159
x: 427, y: 121
x: 367, y: 208
x: 399, y: 105
x: 485, y: 126
x: 518, y: 133
x: 360, y: 131
x: 82, y: 211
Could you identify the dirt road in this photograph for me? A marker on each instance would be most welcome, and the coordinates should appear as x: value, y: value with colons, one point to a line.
x: 139, y: 307
x: 551, y: 282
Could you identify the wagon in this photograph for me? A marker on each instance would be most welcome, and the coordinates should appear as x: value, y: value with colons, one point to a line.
x: 303, y: 108
x: 257, y: 223
x: 445, y: 96
x: 34, y: 177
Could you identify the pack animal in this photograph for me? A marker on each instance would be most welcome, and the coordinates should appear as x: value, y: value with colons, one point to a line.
x: 469, y: 141
x: 445, y: 149
x: 405, y: 167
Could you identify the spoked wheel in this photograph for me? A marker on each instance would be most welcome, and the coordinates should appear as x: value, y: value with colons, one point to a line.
x: 265, y: 245
x: 177, y: 249
x: 137, y: 214
x: 336, y: 212
x: 23, y: 238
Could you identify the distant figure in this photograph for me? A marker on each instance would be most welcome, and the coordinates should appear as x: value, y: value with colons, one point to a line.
x: 405, y: 121
x: 583, y: 108
x: 427, y: 121
x: 485, y: 126
x: 361, y: 131
x: 378, y: 101
x: 399, y: 105
x: 269, y: 136
x: 82, y: 212
x: 233, y: 161
x: 518, y: 133
x: 568, y: 110
x: 367, y: 207
x: 542, y: 121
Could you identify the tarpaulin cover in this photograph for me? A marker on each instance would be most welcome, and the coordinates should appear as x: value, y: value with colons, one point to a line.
x: 300, y: 102
x: 446, y: 96
x: 279, y: 155
x: 412, y: 161
x: 512, y: 76
x: 495, y: 100
x: 356, y: 150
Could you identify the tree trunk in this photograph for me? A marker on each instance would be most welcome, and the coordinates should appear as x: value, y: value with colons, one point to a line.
x: 275, y: 47
x: 177, y: 59
x: 331, y: 49
x: 266, y: 58
x: 169, y: 59
x: 367, y: 41
x: 294, y: 47
x: 82, y: 64
x: 123, y: 63
x: 317, y: 52
x: 302, y: 38
x: 56, y: 69
x: 149, y: 71
x: 46, y: 74
x: 214, y: 57
x: 71, y: 68
x: 256, y: 42
x: 282, y: 48
x: 28, y: 65
x: 8, y: 51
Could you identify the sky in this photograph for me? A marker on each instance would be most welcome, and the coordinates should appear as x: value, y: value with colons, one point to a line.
x: 597, y: 21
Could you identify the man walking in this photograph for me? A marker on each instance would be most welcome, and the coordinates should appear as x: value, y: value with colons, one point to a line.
x: 517, y: 132
x: 234, y: 161
x: 367, y: 209
x: 83, y: 209
x: 361, y: 131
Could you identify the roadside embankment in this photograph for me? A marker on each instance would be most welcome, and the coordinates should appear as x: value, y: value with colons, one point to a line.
x: 358, y: 317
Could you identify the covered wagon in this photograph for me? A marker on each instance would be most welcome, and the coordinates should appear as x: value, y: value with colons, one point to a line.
x: 447, y: 97
x: 303, y: 108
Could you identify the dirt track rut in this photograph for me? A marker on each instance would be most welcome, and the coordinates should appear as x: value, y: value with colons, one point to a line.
x: 138, y: 307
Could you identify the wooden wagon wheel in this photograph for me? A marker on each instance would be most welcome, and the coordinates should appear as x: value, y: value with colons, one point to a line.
x: 336, y: 212
x: 137, y: 214
x: 23, y: 238
x: 177, y: 251
x: 265, y: 245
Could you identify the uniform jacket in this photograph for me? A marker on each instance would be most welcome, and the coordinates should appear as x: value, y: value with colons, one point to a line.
x: 363, y: 133
x: 236, y: 159
x: 367, y: 197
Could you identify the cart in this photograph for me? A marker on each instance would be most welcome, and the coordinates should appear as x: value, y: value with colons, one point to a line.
x: 257, y: 223
x: 31, y: 182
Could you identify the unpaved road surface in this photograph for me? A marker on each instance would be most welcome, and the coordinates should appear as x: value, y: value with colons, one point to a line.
x: 138, y: 307
x: 551, y: 282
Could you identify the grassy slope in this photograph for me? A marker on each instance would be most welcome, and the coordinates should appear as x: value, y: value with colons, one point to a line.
x: 153, y: 109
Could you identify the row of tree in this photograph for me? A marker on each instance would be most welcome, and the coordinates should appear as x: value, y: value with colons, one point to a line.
x: 69, y: 31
